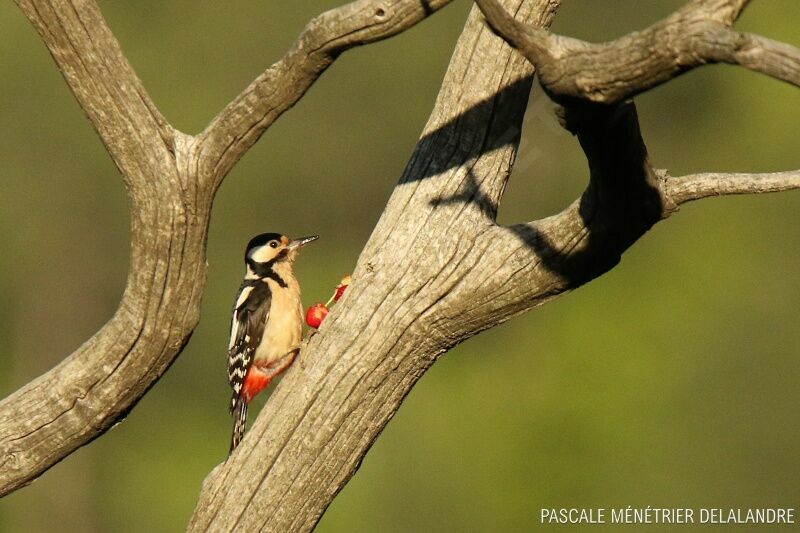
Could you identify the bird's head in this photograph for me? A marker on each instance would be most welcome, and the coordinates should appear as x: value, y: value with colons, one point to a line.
x: 269, y: 249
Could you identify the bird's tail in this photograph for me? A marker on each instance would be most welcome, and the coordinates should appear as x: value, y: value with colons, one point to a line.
x: 239, y: 413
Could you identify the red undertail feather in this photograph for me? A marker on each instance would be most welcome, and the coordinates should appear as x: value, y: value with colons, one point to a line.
x: 254, y: 382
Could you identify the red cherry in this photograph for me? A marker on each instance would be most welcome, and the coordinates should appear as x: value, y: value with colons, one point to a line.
x: 316, y: 314
x: 339, y: 290
x: 341, y: 287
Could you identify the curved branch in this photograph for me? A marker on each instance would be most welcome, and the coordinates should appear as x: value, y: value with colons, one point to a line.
x: 382, y: 335
x: 171, y: 179
x: 700, y: 33
x: 468, y: 275
x: 626, y: 195
x: 625, y: 198
x: 101, y: 381
x: 550, y: 257
x: 277, y: 89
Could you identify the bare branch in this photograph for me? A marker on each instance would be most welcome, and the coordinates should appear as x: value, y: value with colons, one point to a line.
x: 699, y: 33
x: 775, y: 59
x: 469, y: 273
x: 625, y: 197
x: 385, y: 332
x: 101, y: 381
x: 549, y: 257
x: 684, y: 189
x: 171, y: 180
x: 277, y: 89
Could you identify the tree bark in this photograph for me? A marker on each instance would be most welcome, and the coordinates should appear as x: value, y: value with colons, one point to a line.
x: 437, y: 269
x: 700, y: 33
x: 412, y: 298
x: 171, y: 179
x: 99, y: 383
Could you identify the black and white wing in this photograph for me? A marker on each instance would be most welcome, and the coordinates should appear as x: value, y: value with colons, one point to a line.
x: 250, y: 313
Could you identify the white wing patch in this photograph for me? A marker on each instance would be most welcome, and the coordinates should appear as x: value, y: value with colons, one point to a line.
x: 234, y: 327
x: 235, y: 322
x: 243, y: 296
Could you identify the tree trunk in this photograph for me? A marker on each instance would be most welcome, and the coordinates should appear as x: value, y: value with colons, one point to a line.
x: 437, y: 269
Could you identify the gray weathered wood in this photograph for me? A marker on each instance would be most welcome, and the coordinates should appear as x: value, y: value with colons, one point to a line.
x: 426, y: 254
x: 171, y: 179
x: 437, y: 268
x: 698, y: 34
x: 96, y: 385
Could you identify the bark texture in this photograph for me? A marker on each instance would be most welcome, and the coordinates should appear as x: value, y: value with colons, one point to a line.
x: 171, y: 179
x: 573, y: 71
x: 393, y: 321
x: 437, y: 269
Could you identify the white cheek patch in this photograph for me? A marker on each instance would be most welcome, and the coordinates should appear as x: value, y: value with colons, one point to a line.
x: 262, y: 254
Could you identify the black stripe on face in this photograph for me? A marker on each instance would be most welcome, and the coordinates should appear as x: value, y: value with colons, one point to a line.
x: 280, y: 257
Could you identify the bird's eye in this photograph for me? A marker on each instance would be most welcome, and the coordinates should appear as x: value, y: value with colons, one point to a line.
x: 273, y: 244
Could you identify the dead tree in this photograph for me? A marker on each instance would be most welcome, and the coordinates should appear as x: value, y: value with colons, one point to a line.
x: 404, y: 310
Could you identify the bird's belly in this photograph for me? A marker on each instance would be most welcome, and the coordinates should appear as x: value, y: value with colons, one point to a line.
x: 282, y: 333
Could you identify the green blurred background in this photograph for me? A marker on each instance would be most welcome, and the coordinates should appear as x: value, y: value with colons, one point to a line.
x: 671, y: 381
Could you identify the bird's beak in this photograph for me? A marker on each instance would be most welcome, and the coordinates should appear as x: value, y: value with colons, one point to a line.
x: 302, y: 241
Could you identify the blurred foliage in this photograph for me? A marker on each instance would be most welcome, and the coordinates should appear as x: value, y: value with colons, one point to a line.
x: 671, y: 381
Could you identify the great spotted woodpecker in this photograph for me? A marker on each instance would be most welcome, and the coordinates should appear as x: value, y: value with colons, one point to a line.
x: 267, y: 324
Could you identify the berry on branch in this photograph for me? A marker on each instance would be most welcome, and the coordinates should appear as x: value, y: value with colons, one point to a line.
x: 316, y: 314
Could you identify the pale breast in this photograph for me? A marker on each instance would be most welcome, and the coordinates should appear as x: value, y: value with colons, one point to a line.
x: 284, y: 328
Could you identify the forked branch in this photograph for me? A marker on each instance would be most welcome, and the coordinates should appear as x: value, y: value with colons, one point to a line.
x: 171, y: 180
x: 611, y: 72
x: 469, y: 274
x: 626, y: 195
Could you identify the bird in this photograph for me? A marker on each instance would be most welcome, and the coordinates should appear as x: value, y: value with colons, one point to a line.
x: 267, y: 322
